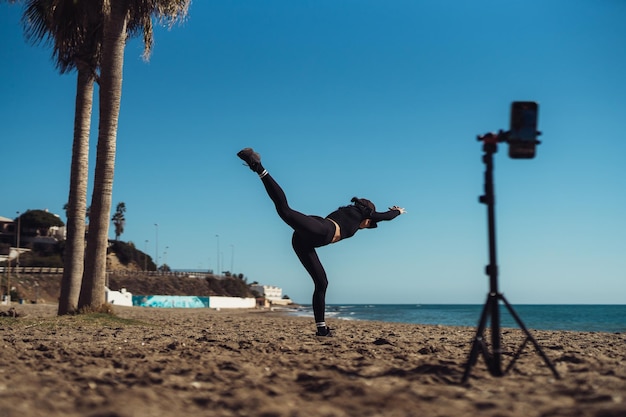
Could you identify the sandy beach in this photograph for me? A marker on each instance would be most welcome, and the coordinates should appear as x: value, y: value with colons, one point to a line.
x: 174, y: 362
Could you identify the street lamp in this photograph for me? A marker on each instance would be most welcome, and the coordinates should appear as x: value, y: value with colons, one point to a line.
x: 156, y: 252
x: 145, y: 257
x: 17, y: 261
x: 218, y: 254
x: 19, y: 227
x: 232, y: 259
x: 165, y: 255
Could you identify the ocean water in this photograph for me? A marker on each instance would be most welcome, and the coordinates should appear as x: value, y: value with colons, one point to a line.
x: 586, y: 318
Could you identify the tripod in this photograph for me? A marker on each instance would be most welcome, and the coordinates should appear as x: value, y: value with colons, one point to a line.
x: 492, y: 306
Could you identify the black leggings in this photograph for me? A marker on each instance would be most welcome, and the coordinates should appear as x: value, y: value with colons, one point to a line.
x: 310, y: 232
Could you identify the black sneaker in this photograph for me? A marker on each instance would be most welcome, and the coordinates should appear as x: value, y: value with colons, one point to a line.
x: 251, y: 158
x: 324, y: 332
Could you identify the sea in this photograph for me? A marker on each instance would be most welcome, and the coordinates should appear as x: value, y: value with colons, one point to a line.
x: 575, y: 317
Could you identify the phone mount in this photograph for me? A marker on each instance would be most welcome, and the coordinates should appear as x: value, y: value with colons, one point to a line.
x: 491, y: 308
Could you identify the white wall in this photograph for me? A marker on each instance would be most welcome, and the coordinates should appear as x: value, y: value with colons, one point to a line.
x: 231, y: 302
x: 119, y: 298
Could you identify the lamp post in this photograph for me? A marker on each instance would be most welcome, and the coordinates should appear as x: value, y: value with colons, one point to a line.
x: 145, y: 257
x: 232, y: 259
x: 156, y: 251
x: 17, y: 259
x: 165, y: 255
x: 19, y: 227
x: 218, y: 255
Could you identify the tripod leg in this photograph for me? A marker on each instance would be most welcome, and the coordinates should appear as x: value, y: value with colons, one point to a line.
x: 478, y: 342
x: 530, y: 337
x: 517, y: 354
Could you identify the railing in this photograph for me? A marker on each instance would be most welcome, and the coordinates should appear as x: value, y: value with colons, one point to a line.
x: 31, y: 270
x: 50, y: 270
x: 189, y: 274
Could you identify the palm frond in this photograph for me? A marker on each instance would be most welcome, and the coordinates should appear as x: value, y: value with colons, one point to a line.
x: 72, y: 27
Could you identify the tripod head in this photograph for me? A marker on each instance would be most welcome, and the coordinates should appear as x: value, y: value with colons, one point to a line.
x: 490, y: 140
x: 517, y: 150
x: 522, y: 136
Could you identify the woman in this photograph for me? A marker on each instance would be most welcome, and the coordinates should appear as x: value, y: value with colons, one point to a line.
x: 312, y: 232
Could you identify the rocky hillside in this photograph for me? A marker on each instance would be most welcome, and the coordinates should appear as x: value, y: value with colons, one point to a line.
x: 179, y: 285
x: 47, y: 287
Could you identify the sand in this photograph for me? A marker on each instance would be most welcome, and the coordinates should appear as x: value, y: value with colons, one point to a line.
x: 175, y: 362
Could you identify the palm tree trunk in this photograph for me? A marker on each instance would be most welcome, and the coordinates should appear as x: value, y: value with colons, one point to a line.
x: 74, y: 256
x: 114, y: 41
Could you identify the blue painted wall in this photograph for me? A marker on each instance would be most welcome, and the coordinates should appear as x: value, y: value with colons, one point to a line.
x: 170, y: 301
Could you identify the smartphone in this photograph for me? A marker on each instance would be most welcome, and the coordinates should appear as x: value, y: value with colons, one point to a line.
x: 523, y: 132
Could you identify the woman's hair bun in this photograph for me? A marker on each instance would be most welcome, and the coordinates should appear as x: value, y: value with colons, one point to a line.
x: 365, y: 205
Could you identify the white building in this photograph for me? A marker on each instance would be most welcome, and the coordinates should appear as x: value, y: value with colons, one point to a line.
x: 270, y: 292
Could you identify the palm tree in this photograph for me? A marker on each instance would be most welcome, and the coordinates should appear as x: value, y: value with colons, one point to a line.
x: 75, y: 31
x: 120, y: 17
x: 118, y: 219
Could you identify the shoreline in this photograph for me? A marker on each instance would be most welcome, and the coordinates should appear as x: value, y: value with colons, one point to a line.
x: 607, y: 318
x: 148, y: 362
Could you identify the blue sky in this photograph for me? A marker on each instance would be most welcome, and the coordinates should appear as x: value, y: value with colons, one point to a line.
x: 381, y: 100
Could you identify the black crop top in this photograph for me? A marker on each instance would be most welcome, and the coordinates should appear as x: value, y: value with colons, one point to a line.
x: 350, y: 217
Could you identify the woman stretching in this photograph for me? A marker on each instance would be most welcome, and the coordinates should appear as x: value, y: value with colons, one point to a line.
x: 312, y: 232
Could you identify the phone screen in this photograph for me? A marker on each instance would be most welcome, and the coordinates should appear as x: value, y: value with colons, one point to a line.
x: 523, y: 132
